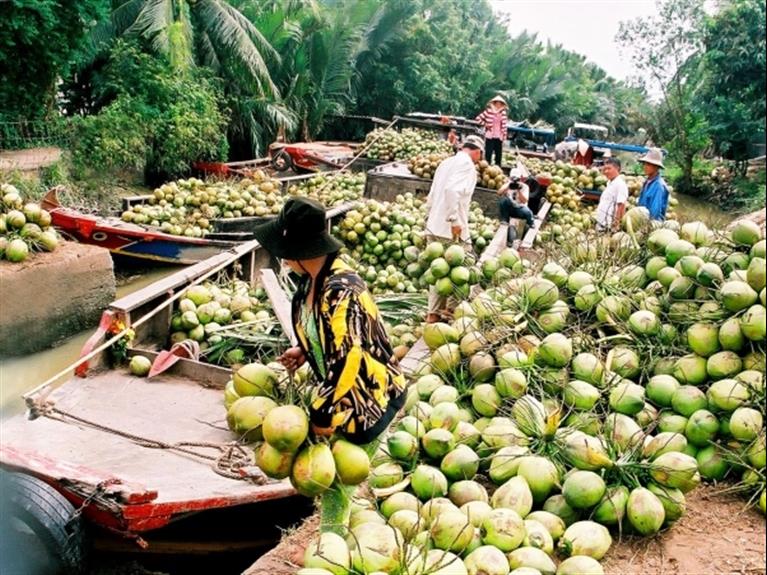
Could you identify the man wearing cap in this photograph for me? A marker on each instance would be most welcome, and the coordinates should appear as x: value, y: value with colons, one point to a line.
x: 654, y: 195
x: 448, y: 203
x: 515, y: 195
x: 612, y: 202
x: 494, y: 121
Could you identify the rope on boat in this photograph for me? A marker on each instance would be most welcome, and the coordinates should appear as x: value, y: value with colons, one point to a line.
x: 233, y: 460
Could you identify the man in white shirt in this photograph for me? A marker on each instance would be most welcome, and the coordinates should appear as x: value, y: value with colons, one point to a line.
x: 448, y: 202
x: 612, y: 202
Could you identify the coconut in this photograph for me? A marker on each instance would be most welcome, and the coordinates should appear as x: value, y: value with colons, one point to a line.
x: 486, y: 560
x: 286, y: 427
x: 746, y: 423
x: 557, y: 506
x: 540, y: 293
x: 352, y: 462
x: 402, y: 445
x: 476, y: 511
x: 624, y: 361
x: 691, y: 369
x: 677, y: 249
x: 275, y: 464
x: 514, y: 494
x: 623, y: 431
x: 466, y: 491
x: 627, y: 397
x: 254, y: 379
x: 363, y: 516
x: 644, y: 323
x: 737, y: 296
x: 756, y: 274
x: 407, y: 522
x: 746, y: 233
x: 759, y: 250
x: 697, y: 233
x: 660, y: 389
x: 753, y: 323
x: 313, y: 470
x: 667, y: 275
x: 659, y: 239
x: 583, y: 489
x: 467, y: 434
x: 427, y: 384
x: 428, y: 482
x: 139, y: 366
x: 612, y: 507
x: 538, y: 536
x: 580, y: 395
x: 613, y: 309
x: 723, y: 365
x: 533, y: 558
x: 446, y: 358
x: 586, y: 422
x: 645, y: 511
x: 511, y: 382
x: 674, y: 469
x: 504, y: 529
x: 681, y: 311
x: 505, y: 463
x: 587, y: 297
x: 702, y: 428
x: 673, y: 501
x: 753, y: 379
x: 461, y: 463
x: 444, y: 394
x: 540, y: 474
x: 434, y: 507
x: 375, y: 548
x: 587, y: 367
x: 246, y: 416
x: 712, y: 465
x: 727, y: 394
x: 451, y: 531
x: 756, y: 452
x: 703, y: 338
x: 710, y: 275
x: 530, y: 415
x: 580, y: 565
x: 486, y: 400
x: 402, y: 501
x: 672, y: 423
x: 688, y: 399
x: 577, y: 280
x: 328, y: 551
x: 444, y: 416
x: 664, y: 442
x: 555, y: 350
x: 438, y: 442
x: 586, y: 538
x: 755, y: 361
x: 553, y: 524
x: 653, y: 267
x: 385, y: 475
x: 584, y: 451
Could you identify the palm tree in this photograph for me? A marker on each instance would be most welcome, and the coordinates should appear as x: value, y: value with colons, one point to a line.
x: 213, y: 34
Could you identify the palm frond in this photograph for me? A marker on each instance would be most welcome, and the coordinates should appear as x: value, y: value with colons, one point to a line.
x: 153, y: 23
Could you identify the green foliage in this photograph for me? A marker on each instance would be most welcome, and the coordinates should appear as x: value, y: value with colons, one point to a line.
x: 159, y: 120
x: 38, y: 39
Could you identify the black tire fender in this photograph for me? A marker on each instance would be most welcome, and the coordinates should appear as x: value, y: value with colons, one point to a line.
x: 47, y: 514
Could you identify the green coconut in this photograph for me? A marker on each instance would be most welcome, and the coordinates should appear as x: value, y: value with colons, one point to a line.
x: 330, y: 552
x: 688, y: 399
x: 446, y: 358
x: 451, y: 531
x: 533, y: 558
x: 400, y: 502
x: 612, y: 507
x: 313, y: 470
x: 540, y: 293
x: 286, y: 427
x: 587, y: 297
x: 352, y: 462
x: 254, y: 379
x: 587, y: 367
x: 580, y: 395
x: 555, y: 350
x: 511, y: 382
x: 580, y: 565
x: 674, y: 469
x: 702, y: 428
x: 586, y: 538
x: 627, y: 398
x: 746, y: 233
x: 723, y: 365
x: 276, y: 464
x: 504, y: 529
x: 703, y: 338
x: 385, y: 475
x: 505, y: 463
x: 691, y: 369
x: 731, y: 337
x: 664, y: 442
x: 753, y: 323
x: 486, y: 560
x: 645, y: 511
x: 624, y: 361
x: 246, y: 416
x: 673, y: 501
x: 727, y: 395
x: 737, y: 296
x: 465, y: 491
x: 583, y: 489
x: 672, y: 423
x: 444, y: 416
x: 541, y: 475
x: 557, y: 506
x: 375, y: 547
x: 461, y: 463
x: 428, y: 482
x: 644, y: 323
x: 746, y: 423
x: 660, y: 389
x: 514, y: 494
x: 712, y: 464
x: 486, y: 400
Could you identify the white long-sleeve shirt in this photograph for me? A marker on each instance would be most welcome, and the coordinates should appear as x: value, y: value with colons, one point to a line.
x: 450, y: 196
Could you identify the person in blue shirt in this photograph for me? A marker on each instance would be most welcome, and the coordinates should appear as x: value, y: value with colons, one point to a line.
x: 654, y: 194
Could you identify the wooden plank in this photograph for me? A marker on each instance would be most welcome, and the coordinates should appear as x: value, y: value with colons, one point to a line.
x: 531, y: 234
x: 280, y: 302
x: 415, y: 358
x: 497, y: 244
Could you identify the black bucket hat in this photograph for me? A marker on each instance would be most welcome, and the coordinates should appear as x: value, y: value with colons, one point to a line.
x: 299, y: 232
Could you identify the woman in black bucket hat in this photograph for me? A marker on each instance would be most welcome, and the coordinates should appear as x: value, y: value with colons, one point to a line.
x: 340, y: 333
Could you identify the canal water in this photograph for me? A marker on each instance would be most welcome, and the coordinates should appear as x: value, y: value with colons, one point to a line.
x: 20, y: 374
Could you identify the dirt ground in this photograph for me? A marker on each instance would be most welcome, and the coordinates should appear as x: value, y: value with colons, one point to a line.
x: 31, y: 159
x: 717, y: 536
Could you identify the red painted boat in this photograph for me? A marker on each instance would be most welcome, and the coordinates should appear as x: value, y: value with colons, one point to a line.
x: 130, y: 240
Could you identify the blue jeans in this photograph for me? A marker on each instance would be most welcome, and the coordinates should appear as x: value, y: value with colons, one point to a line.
x: 509, y: 209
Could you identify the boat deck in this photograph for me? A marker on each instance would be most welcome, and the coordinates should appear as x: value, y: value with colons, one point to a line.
x: 147, y: 486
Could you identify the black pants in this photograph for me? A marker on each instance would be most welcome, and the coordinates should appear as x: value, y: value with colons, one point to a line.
x: 493, y: 146
x: 509, y: 209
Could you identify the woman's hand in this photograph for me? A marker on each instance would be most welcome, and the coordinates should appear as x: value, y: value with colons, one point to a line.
x: 322, y: 431
x: 292, y: 359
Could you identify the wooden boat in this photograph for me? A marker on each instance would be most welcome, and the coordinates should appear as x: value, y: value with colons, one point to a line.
x: 129, y: 240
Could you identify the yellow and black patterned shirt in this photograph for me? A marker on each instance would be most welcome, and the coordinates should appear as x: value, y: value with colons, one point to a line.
x: 362, y: 386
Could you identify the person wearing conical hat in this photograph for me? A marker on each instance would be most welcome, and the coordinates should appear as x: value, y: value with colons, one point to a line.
x: 654, y: 195
x: 494, y: 119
